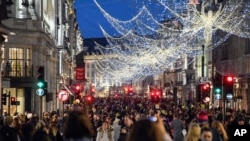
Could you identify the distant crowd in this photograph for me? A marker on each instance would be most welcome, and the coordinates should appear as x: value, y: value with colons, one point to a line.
x: 125, y: 119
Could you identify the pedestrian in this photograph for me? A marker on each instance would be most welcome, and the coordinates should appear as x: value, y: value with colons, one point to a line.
x: 220, y: 128
x: 203, y: 120
x: 177, y: 126
x: 128, y: 123
x: 41, y: 132
x: 77, y: 127
x: 8, y: 132
x: 105, y: 133
x: 206, y: 134
x: 149, y: 129
x: 194, y: 132
x: 54, y: 129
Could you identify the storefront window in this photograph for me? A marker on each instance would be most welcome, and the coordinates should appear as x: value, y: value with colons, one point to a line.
x: 20, y: 62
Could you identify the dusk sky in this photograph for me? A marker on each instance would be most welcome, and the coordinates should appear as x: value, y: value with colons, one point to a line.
x: 89, y: 16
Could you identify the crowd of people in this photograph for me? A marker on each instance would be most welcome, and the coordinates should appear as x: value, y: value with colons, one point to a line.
x: 125, y: 119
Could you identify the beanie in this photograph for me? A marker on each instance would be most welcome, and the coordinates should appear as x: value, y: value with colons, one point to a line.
x: 202, y: 117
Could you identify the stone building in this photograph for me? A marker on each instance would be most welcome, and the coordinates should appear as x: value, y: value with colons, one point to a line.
x: 44, y: 33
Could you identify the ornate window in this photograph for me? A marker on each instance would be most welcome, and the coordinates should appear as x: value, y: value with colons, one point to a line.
x: 19, y: 62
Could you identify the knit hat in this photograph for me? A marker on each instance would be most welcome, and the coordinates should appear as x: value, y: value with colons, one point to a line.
x: 202, y: 116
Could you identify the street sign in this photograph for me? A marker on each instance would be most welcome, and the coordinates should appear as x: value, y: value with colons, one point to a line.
x: 63, y: 95
x: 229, y: 96
x: 217, y: 96
x: 40, y: 92
x: 203, y: 80
x: 17, y: 102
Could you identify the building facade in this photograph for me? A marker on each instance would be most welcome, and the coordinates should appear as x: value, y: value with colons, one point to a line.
x: 45, y: 33
x: 232, y: 58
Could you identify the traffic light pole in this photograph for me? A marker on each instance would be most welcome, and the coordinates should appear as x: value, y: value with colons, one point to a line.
x: 223, y: 99
x: 202, y: 61
x: 202, y: 69
x: 8, y: 95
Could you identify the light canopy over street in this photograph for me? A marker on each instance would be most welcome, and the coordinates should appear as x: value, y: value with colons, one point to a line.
x: 148, y: 45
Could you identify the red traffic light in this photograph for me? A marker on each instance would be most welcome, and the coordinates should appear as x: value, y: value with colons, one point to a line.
x: 12, y: 101
x: 205, y: 87
x: 89, y: 98
x: 78, y: 87
x: 229, y: 79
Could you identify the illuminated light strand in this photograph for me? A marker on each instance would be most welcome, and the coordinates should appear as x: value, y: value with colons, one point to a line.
x: 136, y: 62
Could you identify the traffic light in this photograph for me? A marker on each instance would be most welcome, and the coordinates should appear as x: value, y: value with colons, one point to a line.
x: 78, y: 88
x: 4, y: 97
x: 128, y: 90
x: 203, y: 92
x: 217, y: 92
x: 41, y: 84
x: 205, y: 88
x: 155, y: 94
x: 40, y: 73
x: 228, y: 82
x: 89, y: 99
x: 12, y: 101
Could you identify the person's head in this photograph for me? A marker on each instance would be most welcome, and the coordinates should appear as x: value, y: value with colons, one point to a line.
x: 8, y: 121
x: 241, y: 120
x: 203, y: 119
x: 45, y: 115
x: 42, y: 126
x: 175, y: 115
x: 77, y: 125
x: 107, y: 119
x: 220, y: 128
x: 193, y: 132
x: 206, y: 134
x: 105, y: 125
x: 53, y: 117
x: 128, y: 121
x: 148, y: 130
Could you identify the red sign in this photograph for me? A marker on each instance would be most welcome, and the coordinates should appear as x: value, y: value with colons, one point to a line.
x: 63, y: 95
x: 80, y: 73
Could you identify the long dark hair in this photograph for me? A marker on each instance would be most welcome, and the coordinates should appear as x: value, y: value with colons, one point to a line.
x: 77, y: 125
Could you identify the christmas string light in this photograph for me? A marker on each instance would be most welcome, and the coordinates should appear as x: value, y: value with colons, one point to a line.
x: 147, y: 46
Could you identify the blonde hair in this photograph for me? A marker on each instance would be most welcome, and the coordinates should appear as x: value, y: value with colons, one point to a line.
x: 194, y: 132
x: 220, y: 128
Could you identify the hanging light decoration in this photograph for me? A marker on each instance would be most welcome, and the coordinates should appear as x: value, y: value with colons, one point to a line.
x: 148, y: 45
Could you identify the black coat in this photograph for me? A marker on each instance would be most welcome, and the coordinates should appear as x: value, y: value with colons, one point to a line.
x: 8, y: 134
